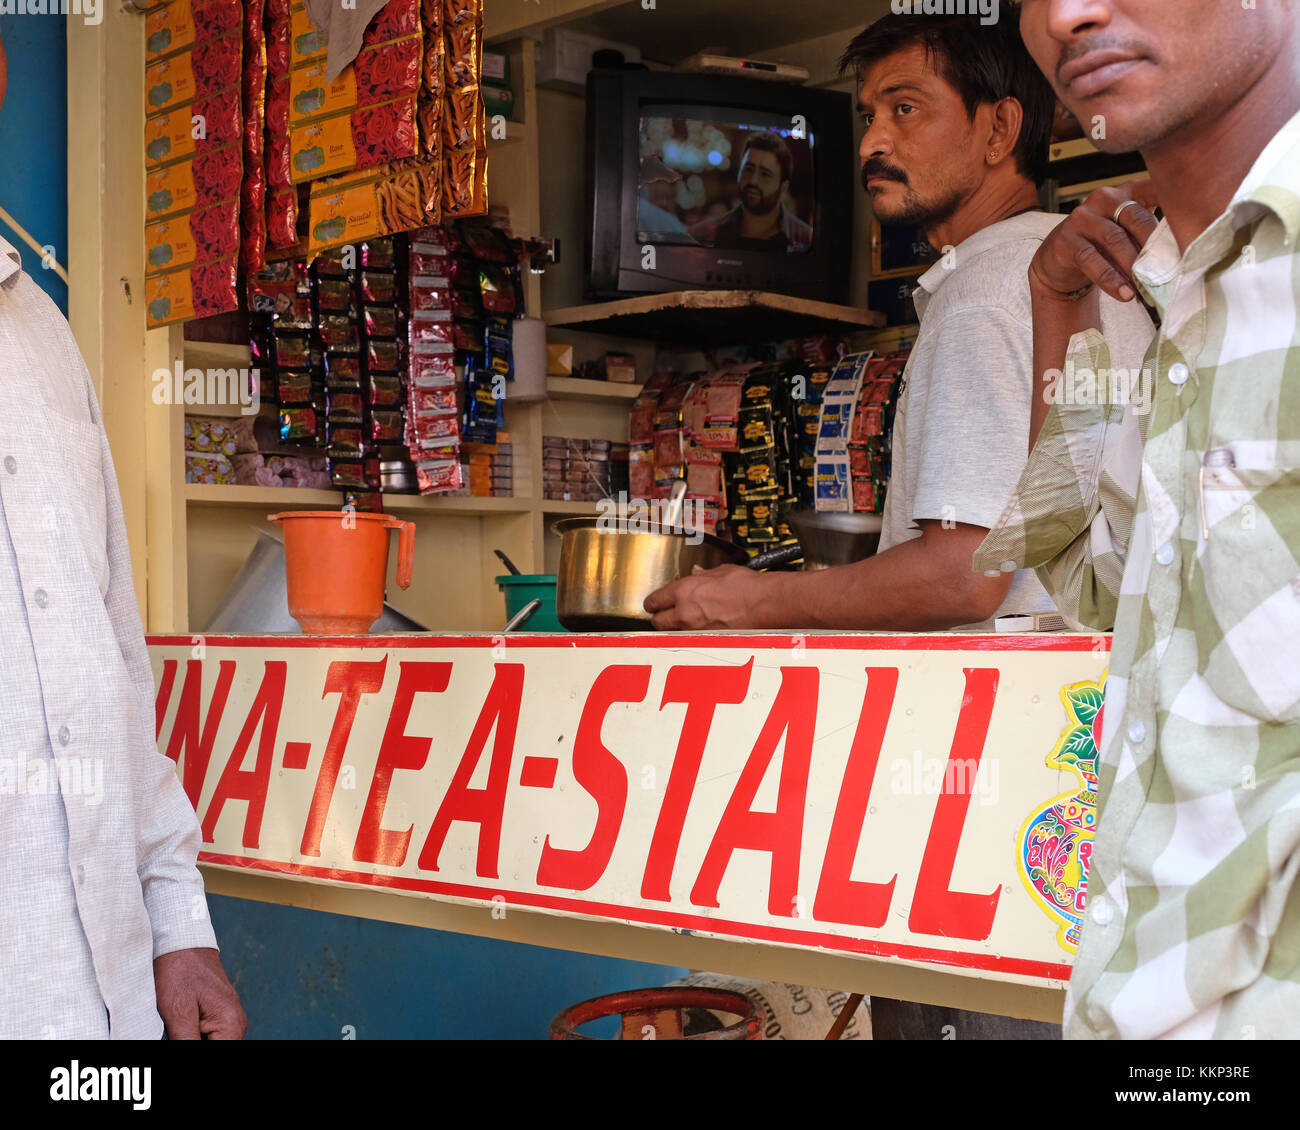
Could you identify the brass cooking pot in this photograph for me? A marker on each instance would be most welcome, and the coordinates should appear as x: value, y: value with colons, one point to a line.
x: 605, y: 574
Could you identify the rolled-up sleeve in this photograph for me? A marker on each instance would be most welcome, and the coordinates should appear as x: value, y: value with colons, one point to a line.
x: 1071, y: 516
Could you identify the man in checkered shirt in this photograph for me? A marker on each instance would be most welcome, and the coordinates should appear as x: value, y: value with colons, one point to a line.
x: 1175, y: 514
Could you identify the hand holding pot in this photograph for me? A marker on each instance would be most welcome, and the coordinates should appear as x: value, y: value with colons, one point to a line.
x: 729, y: 596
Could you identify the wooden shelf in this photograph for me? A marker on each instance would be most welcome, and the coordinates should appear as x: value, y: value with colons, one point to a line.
x: 297, y: 498
x: 577, y: 388
x: 714, y: 317
x: 567, y: 508
x: 216, y: 355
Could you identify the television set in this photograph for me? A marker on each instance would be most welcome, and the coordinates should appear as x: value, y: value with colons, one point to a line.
x: 698, y: 181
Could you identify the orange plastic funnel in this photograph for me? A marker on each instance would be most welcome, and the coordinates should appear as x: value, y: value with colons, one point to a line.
x: 336, y: 562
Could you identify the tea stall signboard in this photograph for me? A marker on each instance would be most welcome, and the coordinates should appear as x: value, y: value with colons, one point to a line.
x: 921, y: 799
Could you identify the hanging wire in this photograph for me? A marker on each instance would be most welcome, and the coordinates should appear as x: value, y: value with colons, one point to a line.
x: 47, y: 257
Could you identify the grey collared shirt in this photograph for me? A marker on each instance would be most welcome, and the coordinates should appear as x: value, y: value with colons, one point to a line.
x: 97, y: 838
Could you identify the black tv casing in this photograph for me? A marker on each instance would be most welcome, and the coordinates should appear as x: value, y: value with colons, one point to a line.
x: 613, y: 253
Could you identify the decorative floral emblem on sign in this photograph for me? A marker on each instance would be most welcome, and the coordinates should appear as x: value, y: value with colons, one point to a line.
x: 1056, y: 842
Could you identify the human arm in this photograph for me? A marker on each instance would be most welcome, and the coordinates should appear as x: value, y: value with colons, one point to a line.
x: 925, y: 584
x: 193, y: 995
x: 1072, y: 514
x: 1089, y: 251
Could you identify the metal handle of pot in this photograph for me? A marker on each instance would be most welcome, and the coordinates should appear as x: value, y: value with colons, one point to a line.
x: 522, y: 616
x: 774, y: 557
x: 672, y: 514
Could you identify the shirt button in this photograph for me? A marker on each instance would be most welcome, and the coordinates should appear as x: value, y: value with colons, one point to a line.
x: 1178, y: 373
x: 81, y: 872
x: 1137, y: 733
x: 65, y: 735
x: 11, y: 464
x: 1165, y: 554
x: 41, y: 597
x: 1102, y: 913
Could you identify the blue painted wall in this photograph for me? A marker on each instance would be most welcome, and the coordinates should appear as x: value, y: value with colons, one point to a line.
x: 303, y: 974
x: 34, y: 142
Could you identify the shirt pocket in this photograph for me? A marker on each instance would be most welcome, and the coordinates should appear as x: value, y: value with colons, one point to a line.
x: 1248, y: 626
x: 83, y: 508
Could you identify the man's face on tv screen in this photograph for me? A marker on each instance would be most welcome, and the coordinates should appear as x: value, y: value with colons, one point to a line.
x: 760, y: 181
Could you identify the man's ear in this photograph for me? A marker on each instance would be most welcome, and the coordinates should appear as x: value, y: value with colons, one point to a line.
x: 1008, y: 120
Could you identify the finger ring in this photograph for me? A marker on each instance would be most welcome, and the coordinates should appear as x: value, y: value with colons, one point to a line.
x: 1120, y: 210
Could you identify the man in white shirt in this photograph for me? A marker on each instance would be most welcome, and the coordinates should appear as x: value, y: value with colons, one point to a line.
x: 958, y: 121
x: 105, y: 930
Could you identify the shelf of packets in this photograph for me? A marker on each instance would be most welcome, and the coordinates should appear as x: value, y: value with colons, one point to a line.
x: 745, y: 438
x: 252, y: 151
x: 582, y: 470
x: 741, y: 436
x: 386, y: 359
x: 852, y: 447
x: 221, y: 451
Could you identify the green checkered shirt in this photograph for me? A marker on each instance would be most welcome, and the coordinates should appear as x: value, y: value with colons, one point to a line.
x: 1174, y: 515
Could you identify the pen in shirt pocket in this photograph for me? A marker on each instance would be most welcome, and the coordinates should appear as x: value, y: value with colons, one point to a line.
x: 1212, y: 460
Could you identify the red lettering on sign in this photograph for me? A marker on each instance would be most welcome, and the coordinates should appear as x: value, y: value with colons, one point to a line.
x: 794, y: 717
x: 164, y: 695
x: 935, y: 908
x: 485, y: 806
x: 349, y: 680
x: 398, y: 750
x: 602, y: 775
x: 250, y: 785
x: 703, y: 689
x: 185, y: 739
x: 839, y: 897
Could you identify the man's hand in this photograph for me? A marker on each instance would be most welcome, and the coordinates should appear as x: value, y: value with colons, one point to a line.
x: 1092, y: 247
x: 195, y: 999
x: 729, y: 596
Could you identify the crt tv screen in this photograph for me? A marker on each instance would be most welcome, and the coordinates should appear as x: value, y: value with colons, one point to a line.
x: 734, y: 185
x: 716, y: 182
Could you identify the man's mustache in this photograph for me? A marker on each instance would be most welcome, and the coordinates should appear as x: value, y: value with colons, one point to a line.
x: 879, y: 167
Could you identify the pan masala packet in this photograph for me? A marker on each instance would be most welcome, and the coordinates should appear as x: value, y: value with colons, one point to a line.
x: 390, y: 199
x: 191, y: 292
x: 208, y: 66
x: 177, y: 25
x: 394, y: 20
x: 378, y: 74
x: 200, y: 127
x: 361, y: 139
x: 192, y: 237
x: 197, y: 182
